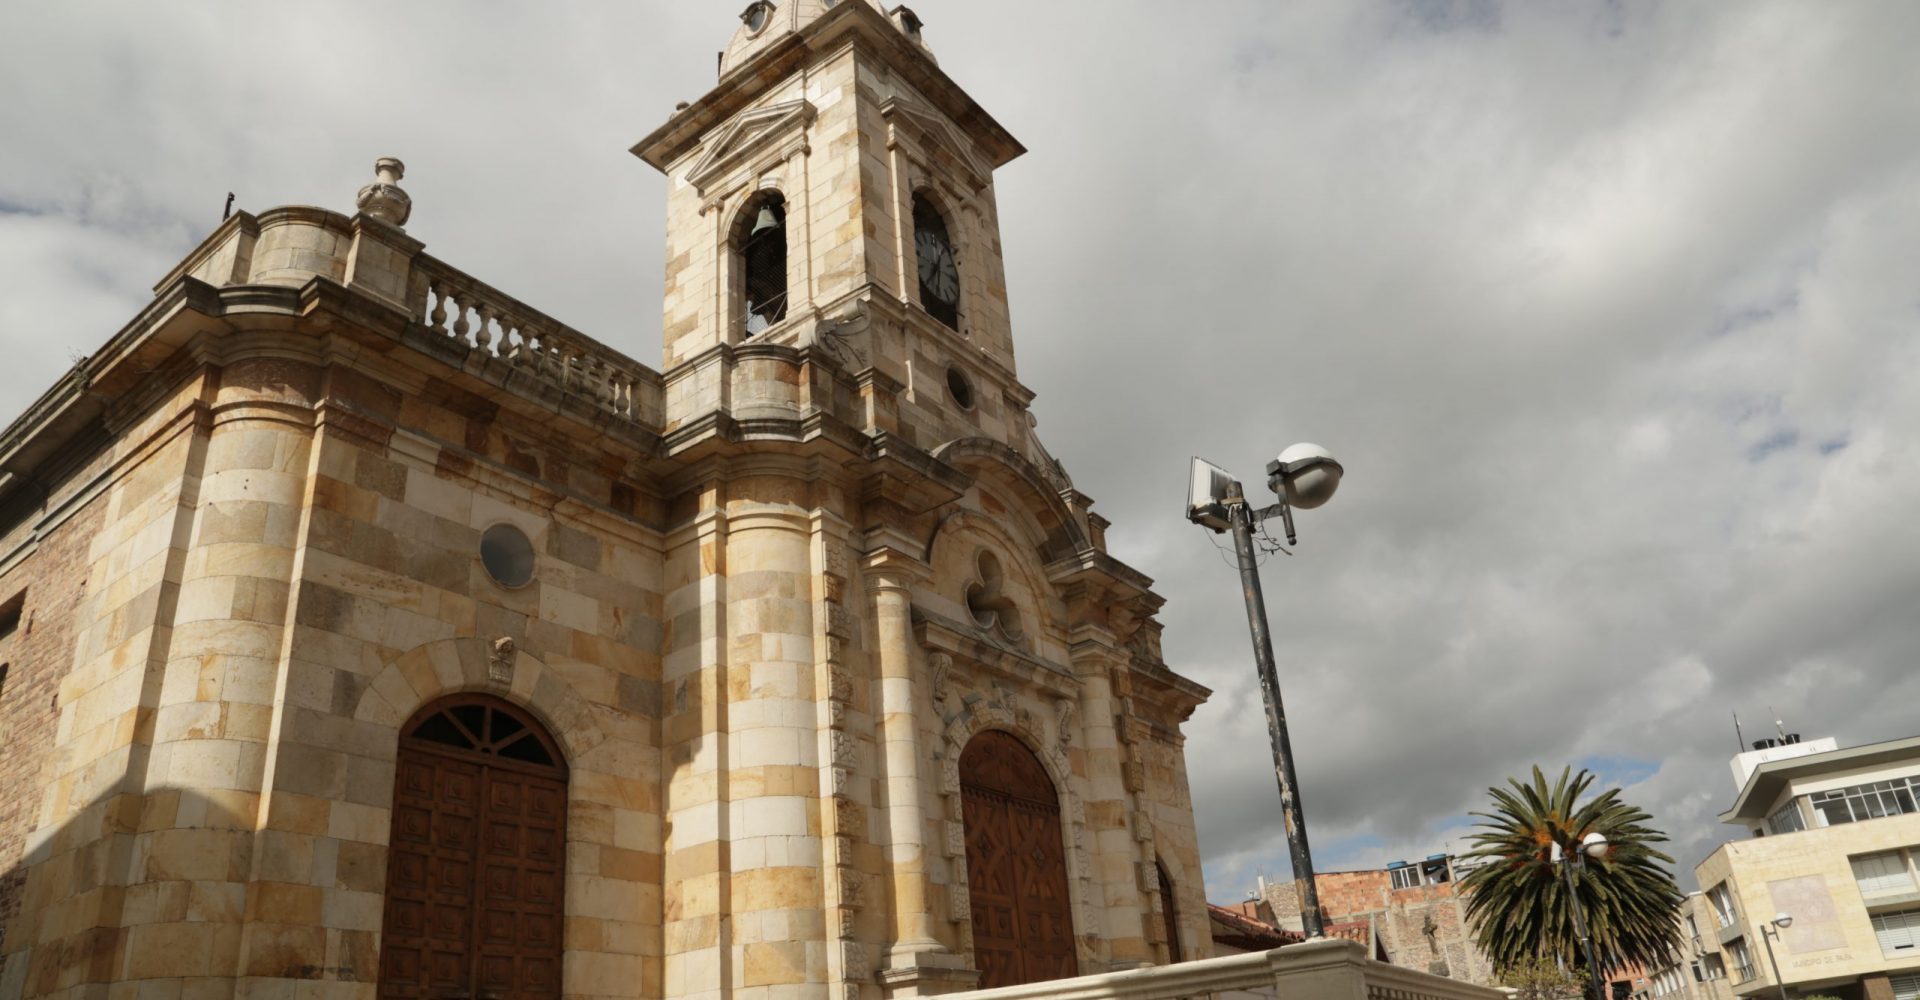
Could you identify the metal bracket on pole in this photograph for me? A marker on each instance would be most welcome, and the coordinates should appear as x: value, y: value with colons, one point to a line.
x: 1280, y: 510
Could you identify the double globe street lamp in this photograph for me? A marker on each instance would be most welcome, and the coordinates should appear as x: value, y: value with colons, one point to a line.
x: 1593, y: 847
x: 1304, y: 476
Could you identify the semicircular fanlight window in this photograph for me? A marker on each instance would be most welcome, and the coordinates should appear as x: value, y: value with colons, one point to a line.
x: 488, y: 727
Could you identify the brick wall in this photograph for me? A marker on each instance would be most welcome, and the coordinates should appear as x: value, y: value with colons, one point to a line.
x: 37, y: 653
x: 1423, y: 927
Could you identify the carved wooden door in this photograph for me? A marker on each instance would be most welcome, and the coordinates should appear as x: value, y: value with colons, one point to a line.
x: 476, y: 859
x: 1016, y: 865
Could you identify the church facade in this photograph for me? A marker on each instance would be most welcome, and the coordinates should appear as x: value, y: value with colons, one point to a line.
x: 370, y: 633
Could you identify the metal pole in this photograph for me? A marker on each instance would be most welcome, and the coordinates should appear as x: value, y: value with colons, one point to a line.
x: 1241, y: 516
x: 1580, y: 927
x: 1766, y: 937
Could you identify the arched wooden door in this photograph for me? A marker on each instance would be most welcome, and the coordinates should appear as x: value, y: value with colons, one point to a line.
x: 1016, y: 864
x: 1169, y: 913
x: 477, y: 858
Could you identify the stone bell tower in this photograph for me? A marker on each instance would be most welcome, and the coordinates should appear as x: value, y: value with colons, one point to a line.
x: 834, y: 139
x: 999, y: 769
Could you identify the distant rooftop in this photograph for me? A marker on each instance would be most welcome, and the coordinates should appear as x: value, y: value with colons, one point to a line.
x: 1769, y: 778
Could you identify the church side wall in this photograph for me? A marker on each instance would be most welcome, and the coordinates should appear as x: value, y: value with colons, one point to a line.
x: 73, y: 905
x: 37, y: 655
x: 391, y: 608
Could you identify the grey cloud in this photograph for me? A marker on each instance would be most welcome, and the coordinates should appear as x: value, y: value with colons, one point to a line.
x: 1545, y: 277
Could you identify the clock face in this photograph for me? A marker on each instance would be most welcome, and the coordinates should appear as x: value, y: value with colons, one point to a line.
x: 939, y: 277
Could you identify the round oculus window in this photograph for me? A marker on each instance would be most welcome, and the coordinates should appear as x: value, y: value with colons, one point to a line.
x: 959, y: 388
x: 507, y: 554
x: 756, y: 17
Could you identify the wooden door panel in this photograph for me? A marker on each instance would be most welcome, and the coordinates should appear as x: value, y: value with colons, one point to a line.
x: 1016, y: 865
x: 475, y: 871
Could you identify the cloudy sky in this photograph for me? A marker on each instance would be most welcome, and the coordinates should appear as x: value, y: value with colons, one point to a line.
x: 1609, y: 309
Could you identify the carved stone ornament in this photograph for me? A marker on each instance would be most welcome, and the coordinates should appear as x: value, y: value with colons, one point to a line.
x: 942, y: 666
x: 383, y: 199
x: 841, y: 337
x: 500, y: 660
x: 1063, y: 720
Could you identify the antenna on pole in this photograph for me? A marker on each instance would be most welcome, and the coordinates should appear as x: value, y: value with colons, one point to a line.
x: 1739, y: 741
x: 1779, y: 724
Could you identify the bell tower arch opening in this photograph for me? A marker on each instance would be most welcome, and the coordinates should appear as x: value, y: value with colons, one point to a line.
x: 476, y: 860
x: 760, y: 243
x: 1016, y: 864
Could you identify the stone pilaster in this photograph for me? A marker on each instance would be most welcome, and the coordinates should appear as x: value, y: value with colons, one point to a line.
x: 697, y: 867
x: 775, y: 896
x: 917, y: 963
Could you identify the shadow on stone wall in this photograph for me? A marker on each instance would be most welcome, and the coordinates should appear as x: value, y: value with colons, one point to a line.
x: 151, y: 886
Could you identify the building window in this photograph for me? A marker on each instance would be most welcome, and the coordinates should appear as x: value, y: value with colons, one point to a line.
x: 939, y: 271
x: 1899, y: 932
x: 507, y: 554
x: 1787, y: 819
x: 756, y: 15
x: 988, y: 601
x: 1906, y: 987
x: 1693, y: 931
x: 1712, y: 967
x: 959, y: 389
x: 763, y: 262
x: 1432, y: 871
x: 1722, y: 901
x: 1742, y: 961
x: 1861, y: 802
x: 1882, y: 873
x: 10, y: 613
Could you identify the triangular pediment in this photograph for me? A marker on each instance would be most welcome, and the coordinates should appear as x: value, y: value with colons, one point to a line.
x: 941, y: 136
x: 775, y: 129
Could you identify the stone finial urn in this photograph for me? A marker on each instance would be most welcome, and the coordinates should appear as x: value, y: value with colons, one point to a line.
x: 383, y: 199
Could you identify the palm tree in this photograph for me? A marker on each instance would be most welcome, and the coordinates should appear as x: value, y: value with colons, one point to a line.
x: 1517, y: 896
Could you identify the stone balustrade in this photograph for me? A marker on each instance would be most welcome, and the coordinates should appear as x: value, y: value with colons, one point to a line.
x: 1319, y: 970
x: 467, y: 310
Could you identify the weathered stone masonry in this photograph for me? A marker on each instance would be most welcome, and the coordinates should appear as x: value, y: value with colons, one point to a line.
x: 777, y: 586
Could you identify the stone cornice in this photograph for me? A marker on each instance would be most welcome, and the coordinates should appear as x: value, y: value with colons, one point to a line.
x: 962, y: 642
x: 866, y: 29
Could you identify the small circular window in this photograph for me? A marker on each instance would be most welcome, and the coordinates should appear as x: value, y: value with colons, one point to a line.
x: 756, y: 17
x: 959, y: 388
x: 507, y: 554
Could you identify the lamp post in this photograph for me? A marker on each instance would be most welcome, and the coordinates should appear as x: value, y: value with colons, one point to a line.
x: 1304, y: 476
x: 1594, y: 846
x: 1767, y: 934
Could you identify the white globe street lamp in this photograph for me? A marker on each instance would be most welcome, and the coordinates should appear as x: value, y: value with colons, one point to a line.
x: 1303, y: 476
x: 1593, y: 847
x: 1780, y: 922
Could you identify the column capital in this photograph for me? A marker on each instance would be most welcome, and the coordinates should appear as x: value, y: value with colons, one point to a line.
x: 889, y: 568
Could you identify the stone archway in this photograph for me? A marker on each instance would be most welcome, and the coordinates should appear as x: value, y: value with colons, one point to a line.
x: 476, y: 863
x: 1022, y: 909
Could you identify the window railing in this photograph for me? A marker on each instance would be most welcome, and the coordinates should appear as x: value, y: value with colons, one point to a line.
x: 1742, y: 961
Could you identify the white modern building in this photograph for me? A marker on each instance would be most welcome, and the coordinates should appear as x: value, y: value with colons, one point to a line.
x: 1823, y: 896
